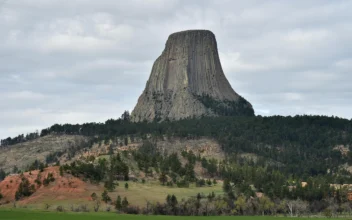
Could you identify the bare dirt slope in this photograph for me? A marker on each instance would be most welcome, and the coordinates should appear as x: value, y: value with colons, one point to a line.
x: 64, y: 187
x: 25, y: 153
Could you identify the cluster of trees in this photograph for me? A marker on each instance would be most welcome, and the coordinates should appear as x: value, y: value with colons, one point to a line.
x: 226, y: 107
x: 25, y: 189
x: 120, y: 205
x: 103, y: 170
x: 19, y: 139
x: 211, y: 205
x: 37, y: 165
x: 3, y: 174
x: 150, y: 159
x: 302, y: 144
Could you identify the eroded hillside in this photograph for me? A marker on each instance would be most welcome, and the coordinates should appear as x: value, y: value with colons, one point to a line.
x: 23, y: 154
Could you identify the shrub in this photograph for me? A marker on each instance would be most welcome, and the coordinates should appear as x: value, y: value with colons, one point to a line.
x: 48, y: 179
x: 105, y: 197
x: 60, y: 208
x: 134, y: 210
x: 94, y: 196
x: 25, y: 189
x: 80, y: 208
x: 327, y: 213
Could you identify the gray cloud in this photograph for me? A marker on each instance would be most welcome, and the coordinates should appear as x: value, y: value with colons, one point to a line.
x: 83, y: 61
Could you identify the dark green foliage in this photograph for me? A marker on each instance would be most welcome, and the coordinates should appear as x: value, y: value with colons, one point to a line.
x: 226, y: 185
x: 41, y: 167
x: 126, y: 185
x: 200, y: 183
x: 109, y: 184
x: 48, y: 179
x: 2, y: 175
x: 182, y: 183
x: 172, y: 202
x: 124, y: 203
x: 118, y: 204
x: 287, y: 150
x: 163, y: 178
x: 90, y: 171
x: 38, y: 180
x: 147, y: 156
x: 15, y: 169
x: 61, y: 171
x: 25, y: 189
x: 301, y: 144
x: 209, y: 182
x: 1, y: 196
x: 19, y: 139
x: 94, y: 196
x: 227, y: 108
x: 211, y: 196
x: 53, y: 157
x: 190, y: 156
x: 105, y: 197
x: 36, y: 165
x: 211, y: 166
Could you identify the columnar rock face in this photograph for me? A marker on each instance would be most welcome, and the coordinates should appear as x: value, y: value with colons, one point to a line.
x: 187, y: 81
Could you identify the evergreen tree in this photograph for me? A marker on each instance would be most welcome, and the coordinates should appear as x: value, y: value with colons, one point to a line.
x: 118, y: 204
x: 61, y: 171
x: 124, y: 203
x: 105, y: 197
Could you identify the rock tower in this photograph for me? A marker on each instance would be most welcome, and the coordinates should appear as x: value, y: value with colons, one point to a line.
x: 187, y: 81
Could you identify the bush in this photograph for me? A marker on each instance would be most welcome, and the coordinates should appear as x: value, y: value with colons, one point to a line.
x: 25, y: 189
x: 182, y: 184
x: 327, y: 213
x: 105, y: 197
x: 81, y: 208
x: 134, y: 210
x: 48, y: 179
x: 94, y: 196
x: 60, y: 208
x: 1, y: 196
x: 200, y: 183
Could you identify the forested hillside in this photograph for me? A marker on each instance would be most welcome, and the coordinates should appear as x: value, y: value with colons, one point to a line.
x: 301, y: 145
x: 282, y: 154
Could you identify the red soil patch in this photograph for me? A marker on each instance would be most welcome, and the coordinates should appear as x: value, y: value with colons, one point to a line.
x: 63, y: 188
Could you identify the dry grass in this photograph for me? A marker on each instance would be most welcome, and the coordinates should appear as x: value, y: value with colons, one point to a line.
x: 26, y: 153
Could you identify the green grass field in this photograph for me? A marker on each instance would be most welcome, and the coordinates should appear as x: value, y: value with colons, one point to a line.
x: 37, y: 215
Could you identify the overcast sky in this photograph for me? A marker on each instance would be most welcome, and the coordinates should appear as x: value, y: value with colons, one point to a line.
x: 80, y: 61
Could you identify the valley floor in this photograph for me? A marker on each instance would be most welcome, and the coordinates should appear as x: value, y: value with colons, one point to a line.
x: 18, y: 214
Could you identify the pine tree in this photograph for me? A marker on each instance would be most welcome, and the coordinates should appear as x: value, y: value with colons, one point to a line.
x: 105, y: 197
x: 118, y: 204
x: 124, y: 203
x: 163, y: 178
x: 61, y: 171
x: 226, y: 186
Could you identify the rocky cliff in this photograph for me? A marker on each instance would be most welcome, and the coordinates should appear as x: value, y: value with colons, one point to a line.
x: 187, y: 81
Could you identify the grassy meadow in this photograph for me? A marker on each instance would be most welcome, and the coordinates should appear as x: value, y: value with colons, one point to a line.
x: 19, y: 214
x: 137, y: 194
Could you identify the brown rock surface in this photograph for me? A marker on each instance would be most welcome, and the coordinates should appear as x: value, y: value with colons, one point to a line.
x: 187, y: 81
